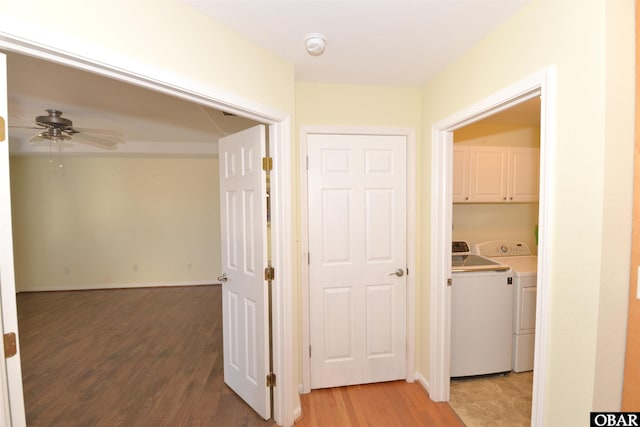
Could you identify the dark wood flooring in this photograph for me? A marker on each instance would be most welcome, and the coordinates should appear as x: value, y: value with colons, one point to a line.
x: 135, y: 357
x: 152, y: 357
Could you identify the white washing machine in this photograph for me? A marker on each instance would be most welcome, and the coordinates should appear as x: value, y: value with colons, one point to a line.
x: 524, y: 267
x: 481, y: 313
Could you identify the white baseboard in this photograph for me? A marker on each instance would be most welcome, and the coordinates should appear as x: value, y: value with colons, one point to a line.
x: 297, y: 413
x: 423, y: 382
x: 117, y: 286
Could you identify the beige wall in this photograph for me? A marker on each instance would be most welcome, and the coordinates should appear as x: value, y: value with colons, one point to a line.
x: 618, y: 157
x: 160, y: 39
x: 352, y: 105
x: 482, y: 222
x: 587, y: 41
x: 111, y: 222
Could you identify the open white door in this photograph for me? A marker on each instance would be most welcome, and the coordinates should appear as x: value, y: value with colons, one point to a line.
x: 10, y: 372
x: 245, y: 325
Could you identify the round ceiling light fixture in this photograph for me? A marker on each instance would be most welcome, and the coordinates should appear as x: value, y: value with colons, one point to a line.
x: 315, y: 43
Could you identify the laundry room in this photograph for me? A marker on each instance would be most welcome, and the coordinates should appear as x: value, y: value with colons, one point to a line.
x: 495, y: 220
x: 491, y: 199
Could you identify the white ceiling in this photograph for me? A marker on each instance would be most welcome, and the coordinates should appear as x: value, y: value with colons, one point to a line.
x: 372, y: 42
x: 376, y: 42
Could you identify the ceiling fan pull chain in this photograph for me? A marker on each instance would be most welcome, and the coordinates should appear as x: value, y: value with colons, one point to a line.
x: 60, y: 153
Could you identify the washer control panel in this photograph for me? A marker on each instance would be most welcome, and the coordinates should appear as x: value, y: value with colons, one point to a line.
x: 459, y: 247
x: 501, y: 248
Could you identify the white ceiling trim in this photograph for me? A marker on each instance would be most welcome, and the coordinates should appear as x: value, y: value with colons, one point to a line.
x: 129, y: 148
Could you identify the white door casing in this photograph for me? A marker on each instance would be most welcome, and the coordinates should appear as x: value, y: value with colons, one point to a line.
x: 539, y: 84
x: 357, y: 241
x: 10, y: 372
x: 244, y: 257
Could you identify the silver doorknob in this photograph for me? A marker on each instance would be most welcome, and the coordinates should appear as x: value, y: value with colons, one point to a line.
x: 223, y: 278
x: 399, y: 272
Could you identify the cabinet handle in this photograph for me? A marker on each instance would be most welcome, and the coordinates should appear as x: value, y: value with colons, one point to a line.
x: 466, y: 198
x: 504, y: 198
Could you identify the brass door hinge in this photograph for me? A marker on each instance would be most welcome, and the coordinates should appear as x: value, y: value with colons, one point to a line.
x: 271, y: 380
x: 2, y: 129
x: 269, y: 273
x: 10, y: 345
x: 267, y: 163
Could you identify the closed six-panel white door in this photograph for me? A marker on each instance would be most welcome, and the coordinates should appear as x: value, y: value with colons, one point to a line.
x: 244, y: 257
x: 357, y: 258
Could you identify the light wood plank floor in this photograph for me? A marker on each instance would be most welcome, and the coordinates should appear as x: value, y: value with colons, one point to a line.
x: 392, y: 404
x: 151, y: 357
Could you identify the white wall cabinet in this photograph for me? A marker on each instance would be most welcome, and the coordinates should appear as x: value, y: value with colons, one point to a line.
x: 495, y: 174
x: 460, y: 173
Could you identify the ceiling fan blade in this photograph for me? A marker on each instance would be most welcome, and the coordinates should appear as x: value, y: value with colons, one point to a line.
x: 13, y: 118
x: 96, y: 140
x: 99, y: 132
x: 25, y: 124
x: 27, y: 127
x: 36, y: 138
x: 43, y: 142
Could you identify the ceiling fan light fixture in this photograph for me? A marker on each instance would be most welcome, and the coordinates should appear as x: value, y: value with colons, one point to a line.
x: 315, y: 43
x: 54, y: 134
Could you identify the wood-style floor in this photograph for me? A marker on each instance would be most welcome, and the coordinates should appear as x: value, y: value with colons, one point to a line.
x: 137, y: 357
x: 152, y: 357
x: 392, y: 404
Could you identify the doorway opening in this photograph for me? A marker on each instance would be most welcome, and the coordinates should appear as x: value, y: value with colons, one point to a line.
x: 537, y: 85
x: 495, y: 202
x: 278, y: 125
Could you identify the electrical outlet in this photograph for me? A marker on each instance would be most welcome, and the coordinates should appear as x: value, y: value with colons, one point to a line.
x: 189, y: 267
x: 135, y: 267
x: 66, y: 270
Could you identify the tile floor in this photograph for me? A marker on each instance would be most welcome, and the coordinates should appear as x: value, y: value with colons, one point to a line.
x: 493, y: 400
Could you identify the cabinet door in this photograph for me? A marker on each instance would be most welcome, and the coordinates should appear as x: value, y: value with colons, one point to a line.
x: 488, y: 171
x: 460, y: 173
x: 524, y: 170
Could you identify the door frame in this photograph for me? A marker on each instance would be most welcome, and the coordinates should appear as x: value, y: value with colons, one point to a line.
x: 631, y: 384
x: 286, y: 403
x: 10, y: 370
x: 409, y: 133
x: 540, y: 84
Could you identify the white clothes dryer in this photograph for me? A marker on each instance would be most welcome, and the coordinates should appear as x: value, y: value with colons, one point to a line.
x: 524, y: 267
